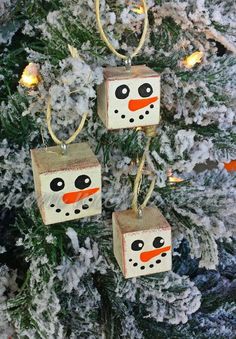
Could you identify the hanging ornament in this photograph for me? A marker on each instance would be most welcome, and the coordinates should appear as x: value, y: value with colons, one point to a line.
x: 141, y: 245
x: 129, y: 95
x: 141, y: 235
x: 30, y: 77
x: 193, y: 59
x: 67, y: 178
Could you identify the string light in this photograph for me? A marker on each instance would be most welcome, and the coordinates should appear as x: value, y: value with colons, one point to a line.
x: 30, y: 77
x: 138, y: 9
x: 172, y: 179
x: 193, y: 59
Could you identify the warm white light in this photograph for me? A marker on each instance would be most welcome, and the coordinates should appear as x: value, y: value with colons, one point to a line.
x: 172, y: 179
x: 193, y: 59
x: 138, y: 9
x: 30, y: 76
x: 175, y: 180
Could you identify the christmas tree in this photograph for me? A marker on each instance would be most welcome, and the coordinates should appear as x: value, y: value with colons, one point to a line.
x: 62, y: 280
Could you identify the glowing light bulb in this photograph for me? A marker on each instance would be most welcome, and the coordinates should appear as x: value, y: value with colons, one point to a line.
x: 30, y: 77
x: 175, y: 180
x: 138, y: 9
x: 193, y: 59
x: 172, y: 179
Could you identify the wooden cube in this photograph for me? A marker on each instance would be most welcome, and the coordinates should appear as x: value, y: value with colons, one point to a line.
x: 141, y: 246
x: 129, y: 99
x: 67, y: 186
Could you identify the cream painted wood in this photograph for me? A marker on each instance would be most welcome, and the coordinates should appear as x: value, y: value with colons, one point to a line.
x: 135, y: 106
x: 67, y: 187
x: 142, y: 246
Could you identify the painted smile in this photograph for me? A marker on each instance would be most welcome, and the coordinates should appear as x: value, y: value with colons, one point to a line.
x: 146, y: 256
x: 72, y: 197
x: 136, y: 104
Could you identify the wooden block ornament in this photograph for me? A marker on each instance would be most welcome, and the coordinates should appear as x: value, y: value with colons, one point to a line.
x: 67, y: 186
x: 141, y: 245
x: 129, y: 98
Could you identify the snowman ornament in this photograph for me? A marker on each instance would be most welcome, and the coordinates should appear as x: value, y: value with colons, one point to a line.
x: 130, y: 95
x: 142, y: 245
x: 129, y: 98
x: 67, y: 187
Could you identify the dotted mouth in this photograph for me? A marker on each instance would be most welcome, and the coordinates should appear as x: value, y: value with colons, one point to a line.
x: 76, y: 211
x: 143, y: 267
x: 140, y: 117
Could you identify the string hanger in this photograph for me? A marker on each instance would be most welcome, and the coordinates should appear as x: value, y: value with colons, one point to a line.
x: 150, y: 132
x: 72, y: 138
x: 109, y: 44
x: 63, y: 143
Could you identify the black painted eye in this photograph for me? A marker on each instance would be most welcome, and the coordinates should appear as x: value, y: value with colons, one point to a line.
x: 145, y: 90
x: 137, y: 245
x: 158, y: 242
x: 57, y: 184
x: 122, y: 92
x: 82, y: 181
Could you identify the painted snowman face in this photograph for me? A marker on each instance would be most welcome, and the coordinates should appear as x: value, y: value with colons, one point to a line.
x: 147, y: 252
x: 69, y: 195
x: 133, y: 102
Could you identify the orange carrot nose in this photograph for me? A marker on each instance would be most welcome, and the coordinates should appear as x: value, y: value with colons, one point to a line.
x: 146, y: 256
x: 136, y: 104
x: 71, y: 197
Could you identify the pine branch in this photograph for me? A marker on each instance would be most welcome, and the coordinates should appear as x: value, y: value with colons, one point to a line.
x: 16, y: 128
